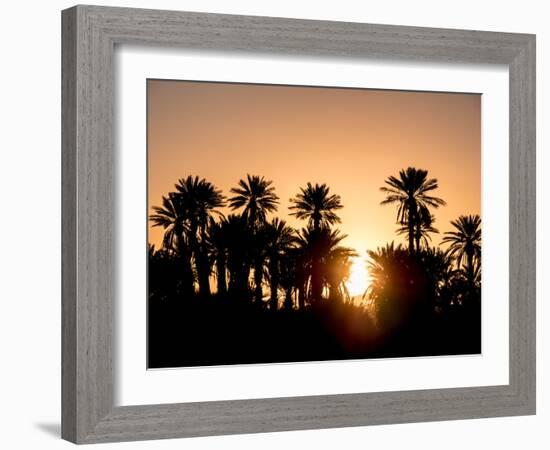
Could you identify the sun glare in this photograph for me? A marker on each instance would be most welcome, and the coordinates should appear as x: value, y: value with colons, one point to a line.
x: 359, y: 279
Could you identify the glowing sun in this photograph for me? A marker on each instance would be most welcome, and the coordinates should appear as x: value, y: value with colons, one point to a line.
x: 359, y: 279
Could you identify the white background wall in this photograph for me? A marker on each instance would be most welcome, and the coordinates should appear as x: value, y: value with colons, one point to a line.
x: 30, y: 223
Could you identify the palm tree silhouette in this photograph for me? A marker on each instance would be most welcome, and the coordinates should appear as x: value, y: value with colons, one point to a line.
x: 317, y: 206
x: 218, y: 241
x: 289, y: 277
x: 382, y: 265
x: 318, y: 246
x: 201, y: 199
x: 257, y: 196
x: 465, y: 244
x: 439, y: 271
x: 422, y: 230
x: 299, y: 257
x: 398, y: 286
x: 258, y: 239
x: 410, y: 191
x: 336, y: 271
x: 279, y: 237
x: 173, y: 217
x: 421, y: 296
x: 237, y: 235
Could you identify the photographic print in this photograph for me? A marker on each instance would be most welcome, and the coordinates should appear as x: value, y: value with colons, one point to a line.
x: 302, y: 223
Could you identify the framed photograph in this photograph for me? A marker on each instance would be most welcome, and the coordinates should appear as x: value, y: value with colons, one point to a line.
x: 277, y: 224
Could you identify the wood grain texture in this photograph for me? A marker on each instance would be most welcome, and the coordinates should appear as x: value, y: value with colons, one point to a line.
x: 523, y: 224
x: 68, y: 225
x: 89, y: 37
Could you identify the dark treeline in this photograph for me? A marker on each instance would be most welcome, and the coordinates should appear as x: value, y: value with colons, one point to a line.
x: 248, y: 288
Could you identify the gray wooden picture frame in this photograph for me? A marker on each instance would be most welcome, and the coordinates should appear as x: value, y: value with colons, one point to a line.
x: 90, y: 34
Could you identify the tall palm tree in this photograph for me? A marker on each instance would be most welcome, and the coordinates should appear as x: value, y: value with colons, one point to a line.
x: 257, y: 196
x: 258, y: 254
x: 238, y: 255
x: 441, y: 275
x: 465, y: 244
x: 289, y: 278
x: 422, y: 230
x: 316, y: 246
x: 173, y: 217
x: 393, y: 279
x: 316, y: 205
x: 279, y: 238
x: 218, y: 240
x: 411, y: 192
x: 297, y: 276
x: 201, y: 199
x: 382, y: 264
x: 438, y: 268
x: 337, y: 267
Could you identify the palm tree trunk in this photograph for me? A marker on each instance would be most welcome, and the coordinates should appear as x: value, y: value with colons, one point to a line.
x: 301, y: 296
x: 203, y: 264
x: 235, y: 275
x: 288, y: 298
x: 220, y: 276
x: 411, y: 235
x: 258, y: 277
x: 417, y: 239
x: 242, y: 281
x: 203, y: 267
x: 316, y: 280
x: 187, y: 288
x: 238, y: 277
x: 470, y: 269
x: 411, y: 220
x: 334, y: 292
x: 274, y: 285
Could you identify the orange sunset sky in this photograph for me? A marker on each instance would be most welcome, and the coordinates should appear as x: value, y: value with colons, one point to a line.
x: 351, y: 139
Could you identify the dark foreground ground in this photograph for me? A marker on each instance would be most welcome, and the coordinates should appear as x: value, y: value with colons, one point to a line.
x: 221, y: 331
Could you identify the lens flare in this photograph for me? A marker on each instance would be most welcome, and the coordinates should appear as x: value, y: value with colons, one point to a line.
x: 359, y: 279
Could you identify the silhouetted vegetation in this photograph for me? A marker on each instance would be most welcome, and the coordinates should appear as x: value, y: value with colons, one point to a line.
x: 248, y: 288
